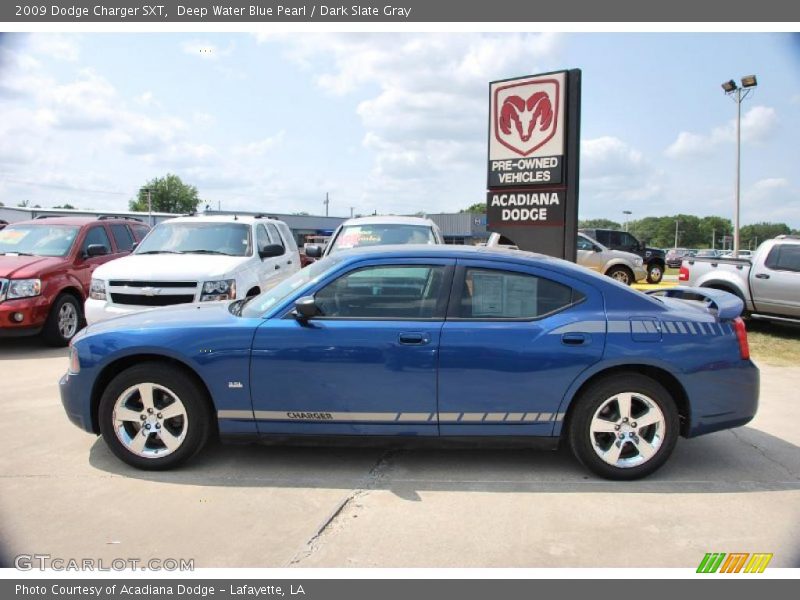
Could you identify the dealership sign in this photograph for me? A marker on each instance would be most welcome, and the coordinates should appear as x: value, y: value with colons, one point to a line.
x: 533, y: 160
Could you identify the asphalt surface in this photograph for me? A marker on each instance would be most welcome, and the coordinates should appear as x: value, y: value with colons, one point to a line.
x: 64, y: 494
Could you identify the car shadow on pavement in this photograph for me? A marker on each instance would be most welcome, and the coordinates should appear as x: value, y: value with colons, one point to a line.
x: 742, y: 460
x: 28, y: 347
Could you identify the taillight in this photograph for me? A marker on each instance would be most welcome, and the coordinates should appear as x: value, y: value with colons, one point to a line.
x: 741, y: 337
x: 683, y: 274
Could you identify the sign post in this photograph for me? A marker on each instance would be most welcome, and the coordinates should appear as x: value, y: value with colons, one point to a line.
x: 532, y: 176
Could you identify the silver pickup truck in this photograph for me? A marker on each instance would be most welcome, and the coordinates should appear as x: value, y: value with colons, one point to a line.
x: 768, y: 282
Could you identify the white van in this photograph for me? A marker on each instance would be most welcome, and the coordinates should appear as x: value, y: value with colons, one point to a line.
x: 195, y: 259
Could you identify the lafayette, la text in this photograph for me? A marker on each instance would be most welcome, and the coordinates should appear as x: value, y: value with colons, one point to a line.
x: 310, y: 11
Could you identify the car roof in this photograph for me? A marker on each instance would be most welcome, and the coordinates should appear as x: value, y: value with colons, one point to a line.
x: 248, y: 219
x: 389, y: 220
x: 75, y: 221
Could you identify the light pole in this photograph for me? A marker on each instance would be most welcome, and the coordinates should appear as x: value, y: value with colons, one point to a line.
x: 738, y: 94
x: 676, y: 233
x: 627, y: 213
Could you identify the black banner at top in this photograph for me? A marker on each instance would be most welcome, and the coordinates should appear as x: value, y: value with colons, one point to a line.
x: 496, y: 11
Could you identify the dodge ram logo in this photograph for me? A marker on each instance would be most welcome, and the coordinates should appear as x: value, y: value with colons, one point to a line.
x: 526, y: 114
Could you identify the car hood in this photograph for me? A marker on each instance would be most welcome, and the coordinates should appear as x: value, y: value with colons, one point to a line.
x: 21, y: 267
x: 179, y: 316
x: 170, y: 267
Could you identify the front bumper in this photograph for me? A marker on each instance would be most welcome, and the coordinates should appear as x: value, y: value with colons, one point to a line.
x: 77, y: 401
x: 99, y: 310
x: 34, y: 313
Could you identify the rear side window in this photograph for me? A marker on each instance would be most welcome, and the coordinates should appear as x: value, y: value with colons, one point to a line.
x: 122, y: 237
x: 96, y: 236
x: 291, y: 244
x: 385, y: 292
x: 784, y: 257
x: 493, y: 294
x: 140, y: 231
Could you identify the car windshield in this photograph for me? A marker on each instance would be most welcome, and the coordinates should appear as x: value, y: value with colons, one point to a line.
x: 232, y: 239
x: 37, y: 240
x: 376, y: 234
x: 266, y: 300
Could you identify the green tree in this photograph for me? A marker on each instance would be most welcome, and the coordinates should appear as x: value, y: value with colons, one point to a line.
x: 24, y: 203
x: 478, y: 207
x: 599, y: 224
x: 753, y: 235
x: 65, y: 205
x: 169, y: 194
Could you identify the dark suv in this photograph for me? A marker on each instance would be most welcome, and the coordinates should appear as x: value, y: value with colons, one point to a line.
x: 654, y: 259
x: 46, y: 266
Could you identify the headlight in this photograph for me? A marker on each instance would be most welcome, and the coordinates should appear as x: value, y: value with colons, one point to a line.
x: 97, y: 289
x: 223, y: 289
x: 24, y: 288
x: 639, y: 262
x: 74, y: 361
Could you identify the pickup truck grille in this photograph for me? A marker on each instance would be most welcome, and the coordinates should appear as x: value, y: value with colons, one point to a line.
x: 142, y: 300
x: 151, y: 293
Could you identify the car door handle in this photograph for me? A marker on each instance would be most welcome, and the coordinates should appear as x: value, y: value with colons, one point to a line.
x: 414, y: 339
x: 277, y: 267
x: 762, y: 276
x: 575, y: 339
x: 288, y: 262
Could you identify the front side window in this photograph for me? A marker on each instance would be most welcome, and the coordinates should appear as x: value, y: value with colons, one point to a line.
x: 273, y: 233
x: 356, y: 236
x: 384, y: 292
x: 37, y: 240
x: 584, y: 244
x: 232, y: 239
x: 262, y: 239
x: 97, y: 236
x: 493, y: 294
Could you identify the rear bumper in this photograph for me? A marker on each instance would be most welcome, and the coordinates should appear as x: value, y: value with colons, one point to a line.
x: 723, y: 398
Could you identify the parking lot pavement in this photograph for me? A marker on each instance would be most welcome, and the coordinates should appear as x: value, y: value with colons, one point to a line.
x: 64, y: 494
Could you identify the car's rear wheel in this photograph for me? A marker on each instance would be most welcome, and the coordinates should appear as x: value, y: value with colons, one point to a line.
x: 655, y: 273
x: 154, y: 416
x: 624, y: 427
x: 621, y: 274
x: 63, y: 322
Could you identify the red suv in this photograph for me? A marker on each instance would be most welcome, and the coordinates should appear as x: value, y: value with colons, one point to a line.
x: 46, y: 267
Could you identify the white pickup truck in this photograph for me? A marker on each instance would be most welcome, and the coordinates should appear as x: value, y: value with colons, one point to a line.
x: 768, y: 282
x: 195, y: 259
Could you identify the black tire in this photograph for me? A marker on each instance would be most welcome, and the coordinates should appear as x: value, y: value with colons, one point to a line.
x: 600, y: 396
x: 622, y: 274
x: 655, y: 273
x: 171, y: 381
x: 55, y: 331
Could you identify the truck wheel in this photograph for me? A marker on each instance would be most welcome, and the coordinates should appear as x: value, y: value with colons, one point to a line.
x: 655, y: 273
x: 154, y: 416
x: 624, y: 427
x: 621, y: 274
x: 63, y: 322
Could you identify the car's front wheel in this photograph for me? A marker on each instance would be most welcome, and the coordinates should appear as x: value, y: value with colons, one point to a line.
x: 154, y: 416
x: 655, y: 273
x: 624, y: 427
x: 621, y: 274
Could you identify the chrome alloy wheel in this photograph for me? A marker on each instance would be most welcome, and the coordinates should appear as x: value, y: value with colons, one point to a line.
x: 150, y: 420
x: 621, y: 276
x: 67, y: 320
x: 627, y: 430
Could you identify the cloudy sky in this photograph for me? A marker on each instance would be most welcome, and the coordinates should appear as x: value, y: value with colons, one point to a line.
x: 390, y: 122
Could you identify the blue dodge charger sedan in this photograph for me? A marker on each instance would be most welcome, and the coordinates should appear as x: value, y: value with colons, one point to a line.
x: 436, y: 341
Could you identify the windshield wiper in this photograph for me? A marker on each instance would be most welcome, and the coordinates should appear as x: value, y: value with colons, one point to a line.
x: 18, y: 253
x: 161, y: 252
x: 200, y: 251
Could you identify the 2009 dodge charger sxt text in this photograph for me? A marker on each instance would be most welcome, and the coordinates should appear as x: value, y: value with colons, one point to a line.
x: 423, y: 341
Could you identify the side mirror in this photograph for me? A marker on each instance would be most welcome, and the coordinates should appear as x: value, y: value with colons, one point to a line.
x: 96, y: 250
x: 305, y: 308
x: 314, y: 251
x: 271, y: 250
x: 597, y: 248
